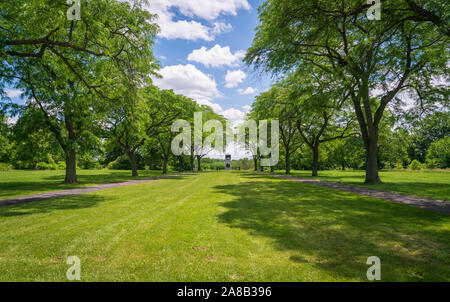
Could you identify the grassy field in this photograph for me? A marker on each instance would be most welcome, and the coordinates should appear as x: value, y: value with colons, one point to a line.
x: 429, y: 184
x: 20, y: 183
x: 222, y: 227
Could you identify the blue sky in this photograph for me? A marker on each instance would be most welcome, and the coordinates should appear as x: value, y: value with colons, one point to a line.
x: 200, y: 47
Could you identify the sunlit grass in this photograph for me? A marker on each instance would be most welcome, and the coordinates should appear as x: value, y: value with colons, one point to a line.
x: 429, y: 184
x: 23, y: 182
x: 222, y: 227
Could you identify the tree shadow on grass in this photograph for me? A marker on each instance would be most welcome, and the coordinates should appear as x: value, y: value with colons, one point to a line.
x: 55, y: 183
x: 337, y: 231
x: 432, y: 190
x: 74, y: 202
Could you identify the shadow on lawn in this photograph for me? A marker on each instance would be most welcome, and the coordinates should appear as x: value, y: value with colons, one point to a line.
x: 426, y: 189
x: 74, y: 202
x: 55, y: 182
x: 337, y: 231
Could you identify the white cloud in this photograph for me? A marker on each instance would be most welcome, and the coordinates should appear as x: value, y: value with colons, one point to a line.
x: 208, y: 10
x: 220, y: 28
x: 216, y: 56
x: 191, y: 82
x: 12, y: 120
x: 248, y: 91
x: 247, y: 108
x: 13, y: 93
x: 233, y: 114
x: 234, y: 78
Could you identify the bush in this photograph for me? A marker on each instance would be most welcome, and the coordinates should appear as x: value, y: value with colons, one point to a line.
x: 415, y: 165
x: 5, y: 167
x: 431, y: 163
x: 45, y: 166
x: 61, y: 165
x: 121, y: 163
x: 88, y: 162
x: 398, y: 166
x: 439, y: 153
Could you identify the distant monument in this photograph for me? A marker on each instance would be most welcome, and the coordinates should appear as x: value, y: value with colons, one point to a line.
x: 228, y: 162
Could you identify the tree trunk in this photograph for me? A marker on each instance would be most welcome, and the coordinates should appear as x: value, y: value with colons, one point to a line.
x: 315, y: 167
x: 288, y: 163
x: 272, y: 169
x: 180, y: 166
x: 71, y: 168
x: 372, y: 176
x: 132, y: 158
x: 165, y: 164
x: 150, y: 163
x: 192, y: 163
x: 255, y: 162
x: 343, y: 166
x: 199, y: 163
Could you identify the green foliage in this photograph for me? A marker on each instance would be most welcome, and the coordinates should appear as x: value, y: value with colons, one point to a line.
x: 33, y: 142
x: 399, y: 166
x: 88, y: 162
x: 425, y: 131
x: 71, y: 70
x: 5, y: 167
x: 123, y: 163
x: 415, y: 165
x: 404, y: 50
x: 438, y: 155
x: 46, y: 166
x: 5, y: 144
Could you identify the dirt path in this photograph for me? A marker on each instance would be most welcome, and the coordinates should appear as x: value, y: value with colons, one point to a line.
x: 415, y: 201
x: 77, y: 191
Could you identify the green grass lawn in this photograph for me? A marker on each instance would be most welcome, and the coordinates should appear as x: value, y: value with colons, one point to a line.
x: 428, y: 184
x: 20, y: 183
x: 222, y: 227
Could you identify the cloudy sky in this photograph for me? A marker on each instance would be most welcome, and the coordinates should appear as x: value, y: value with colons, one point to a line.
x: 201, y: 47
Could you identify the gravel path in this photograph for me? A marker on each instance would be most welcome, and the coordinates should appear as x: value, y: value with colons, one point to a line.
x: 415, y: 201
x: 77, y: 191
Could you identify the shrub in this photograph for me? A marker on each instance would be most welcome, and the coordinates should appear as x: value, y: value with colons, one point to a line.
x: 88, y: 162
x: 121, y: 163
x: 61, y: 165
x: 431, y: 163
x: 5, y: 167
x: 45, y: 166
x: 398, y: 166
x: 415, y: 165
x: 439, y: 153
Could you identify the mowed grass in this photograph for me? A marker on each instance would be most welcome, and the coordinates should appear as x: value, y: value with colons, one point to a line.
x: 222, y: 227
x: 428, y: 184
x: 21, y: 182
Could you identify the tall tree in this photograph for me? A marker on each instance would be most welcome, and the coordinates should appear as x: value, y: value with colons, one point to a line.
x: 33, y: 142
x: 376, y: 60
x: 273, y: 105
x: 144, y: 115
x: 68, y: 67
